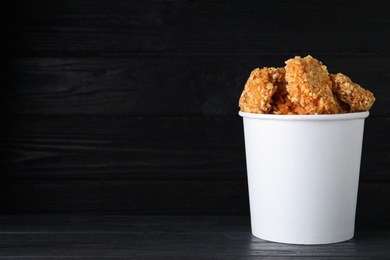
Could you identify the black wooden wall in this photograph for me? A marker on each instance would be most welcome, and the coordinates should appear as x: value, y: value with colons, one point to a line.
x: 130, y: 107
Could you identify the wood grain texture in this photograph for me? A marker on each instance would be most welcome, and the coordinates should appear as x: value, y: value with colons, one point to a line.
x: 162, y: 85
x: 126, y: 107
x: 90, y: 28
x: 149, y: 148
x: 156, y: 237
x: 149, y: 166
x: 153, y: 197
x: 126, y: 148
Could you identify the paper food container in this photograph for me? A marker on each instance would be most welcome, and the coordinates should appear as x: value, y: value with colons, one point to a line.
x: 303, y: 175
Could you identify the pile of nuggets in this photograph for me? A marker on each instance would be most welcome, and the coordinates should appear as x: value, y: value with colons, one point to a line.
x: 303, y: 87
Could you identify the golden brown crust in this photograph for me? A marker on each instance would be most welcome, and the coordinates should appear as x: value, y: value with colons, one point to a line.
x: 342, y: 107
x: 303, y: 87
x: 309, y: 85
x: 357, y: 98
x: 282, y: 104
x: 259, y: 89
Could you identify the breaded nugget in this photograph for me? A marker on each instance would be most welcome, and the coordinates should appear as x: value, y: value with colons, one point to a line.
x: 342, y: 106
x: 279, y: 105
x: 282, y: 104
x: 309, y: 85
x: 288, y: 108
x: 351, y: 93
x: 259, y: 89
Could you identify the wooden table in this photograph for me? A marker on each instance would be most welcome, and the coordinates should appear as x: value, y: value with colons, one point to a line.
x: 169, y: 237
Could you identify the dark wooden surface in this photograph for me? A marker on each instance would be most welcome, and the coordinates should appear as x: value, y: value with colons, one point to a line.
x: 175, y: 166
x: 130, y: 107
x: 170, y: 237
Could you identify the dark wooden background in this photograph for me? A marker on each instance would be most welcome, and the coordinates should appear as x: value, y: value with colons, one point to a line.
x: 130, y: 107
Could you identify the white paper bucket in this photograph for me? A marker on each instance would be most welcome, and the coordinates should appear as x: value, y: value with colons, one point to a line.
x: 303, y: 175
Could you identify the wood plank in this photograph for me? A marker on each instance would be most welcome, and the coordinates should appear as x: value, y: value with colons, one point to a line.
x: 124, y: 197
x: 161, y: 85
x: 375, y: 163
x: 66, y: 148
x: 127, y: 148
x: 121, y: 237
x: 90, y: 28
x: 165, y: 197
x: 110, y: 102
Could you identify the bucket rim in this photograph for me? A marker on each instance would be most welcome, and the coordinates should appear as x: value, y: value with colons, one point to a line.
x: 346, y: 116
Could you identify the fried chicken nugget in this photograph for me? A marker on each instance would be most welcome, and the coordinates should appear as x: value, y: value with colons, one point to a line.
x: 351, y: 93
x: 259, y: 89
x: 309, y: 86
x: 282, y: 104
